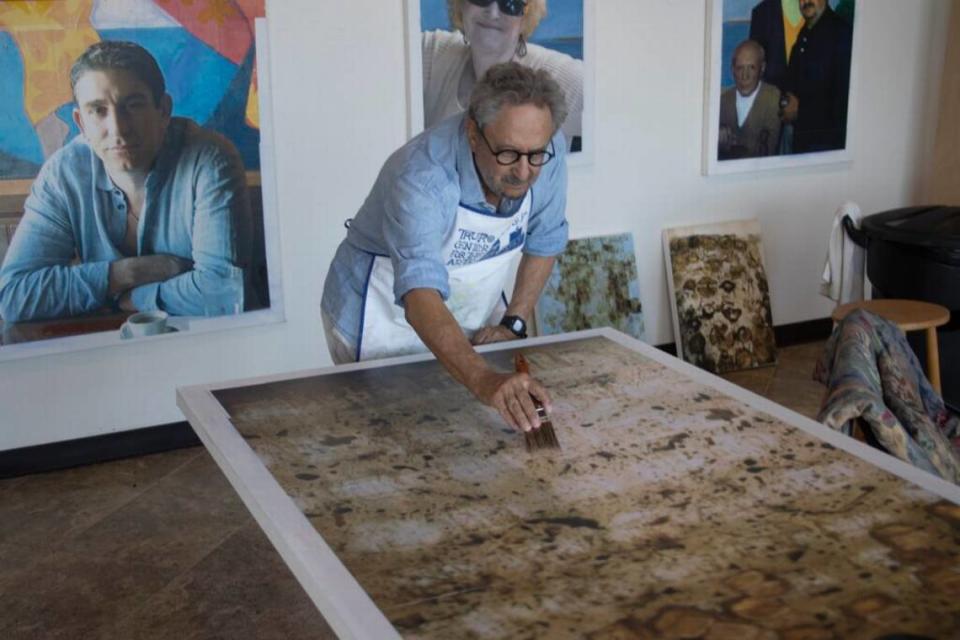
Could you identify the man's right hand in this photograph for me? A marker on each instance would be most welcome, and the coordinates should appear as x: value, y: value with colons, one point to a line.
x: 127, y: 273
x: 509, y: 394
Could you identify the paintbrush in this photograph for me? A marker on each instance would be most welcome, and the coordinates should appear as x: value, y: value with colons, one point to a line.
x: 543, y: 437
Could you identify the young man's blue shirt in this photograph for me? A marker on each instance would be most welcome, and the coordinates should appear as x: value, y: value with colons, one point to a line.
x: 75, y: 220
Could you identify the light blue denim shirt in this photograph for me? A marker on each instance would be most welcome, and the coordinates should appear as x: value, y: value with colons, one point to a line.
x: 75, y: 219
x: 412, y: 209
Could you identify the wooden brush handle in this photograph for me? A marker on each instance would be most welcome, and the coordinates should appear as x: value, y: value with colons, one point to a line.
x: 520, y: 363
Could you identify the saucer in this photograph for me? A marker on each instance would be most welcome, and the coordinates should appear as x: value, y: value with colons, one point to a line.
x: 126, y: 335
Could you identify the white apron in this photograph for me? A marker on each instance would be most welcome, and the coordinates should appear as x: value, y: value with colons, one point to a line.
x: 478, y: 256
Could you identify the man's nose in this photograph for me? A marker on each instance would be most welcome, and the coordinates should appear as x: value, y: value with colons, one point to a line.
x: 522, y: 168
x: 118, y: 122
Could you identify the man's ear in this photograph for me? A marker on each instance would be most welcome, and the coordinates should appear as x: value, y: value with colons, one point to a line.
x: 166, y: 105
x: 472, y: 133
x: 77, y: 120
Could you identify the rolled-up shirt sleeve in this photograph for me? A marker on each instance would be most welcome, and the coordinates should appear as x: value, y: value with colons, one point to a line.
x: 547, y: 230
x: 38, y: 280
x: 418, y: 218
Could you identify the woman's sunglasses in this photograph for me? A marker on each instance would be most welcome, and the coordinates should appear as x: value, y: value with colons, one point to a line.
x: 508, y: 7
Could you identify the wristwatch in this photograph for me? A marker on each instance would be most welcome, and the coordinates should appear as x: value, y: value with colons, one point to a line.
x: 516, y: 324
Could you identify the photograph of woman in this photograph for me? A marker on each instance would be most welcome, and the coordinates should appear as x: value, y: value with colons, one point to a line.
x: 460, y: 46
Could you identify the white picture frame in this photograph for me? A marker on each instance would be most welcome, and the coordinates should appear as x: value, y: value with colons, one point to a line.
x: 184, y: 325
x: 734, y: 13
x: 413, y: 15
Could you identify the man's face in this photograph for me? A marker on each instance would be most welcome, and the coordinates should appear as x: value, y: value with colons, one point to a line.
x: 116, y: 114
x: 489, y: 30
x: 747, y: 69
x: 522, y: 128
x: 811, y: 9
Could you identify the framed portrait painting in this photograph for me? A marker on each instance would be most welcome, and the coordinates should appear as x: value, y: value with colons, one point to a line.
x: 74, y: 250
x: 451, y: 42
x: 778, y: 83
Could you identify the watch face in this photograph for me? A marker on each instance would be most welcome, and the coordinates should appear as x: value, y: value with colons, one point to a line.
x: 515, y: 324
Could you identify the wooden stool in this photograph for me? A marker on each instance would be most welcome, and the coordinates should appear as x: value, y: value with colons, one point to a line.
x: 909, y: 315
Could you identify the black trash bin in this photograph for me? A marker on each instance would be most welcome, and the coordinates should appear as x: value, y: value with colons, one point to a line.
x: 915, y: 253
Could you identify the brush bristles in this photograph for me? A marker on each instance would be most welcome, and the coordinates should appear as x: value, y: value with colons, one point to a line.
x: 544, y: 437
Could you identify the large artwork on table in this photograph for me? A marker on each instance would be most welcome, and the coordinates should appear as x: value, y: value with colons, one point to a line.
x: 779, y: 84
x: 719, y: 296
x: 208, y: 55
x: 593, y: 284
x: 452, y: 41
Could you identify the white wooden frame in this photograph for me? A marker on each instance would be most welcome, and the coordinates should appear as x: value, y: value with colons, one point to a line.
x: 339, y: 597
x: 711, y: 110
x: 414, y: 79
x: 271, y: 232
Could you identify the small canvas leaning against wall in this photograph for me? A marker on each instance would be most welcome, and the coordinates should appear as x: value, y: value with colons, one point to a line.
x: 719, y: 297
x: 593, y: 284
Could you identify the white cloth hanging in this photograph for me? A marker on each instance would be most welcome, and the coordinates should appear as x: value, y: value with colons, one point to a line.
x: 843, y: 273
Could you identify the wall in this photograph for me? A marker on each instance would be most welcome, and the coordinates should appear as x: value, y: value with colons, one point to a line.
x: 942, y: 185
x: 338, y: 95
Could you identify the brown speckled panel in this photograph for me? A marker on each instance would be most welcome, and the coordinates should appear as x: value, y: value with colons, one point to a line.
x: 671, y: 511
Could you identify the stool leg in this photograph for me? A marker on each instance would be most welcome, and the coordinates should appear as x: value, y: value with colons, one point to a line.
x: 933, y: 359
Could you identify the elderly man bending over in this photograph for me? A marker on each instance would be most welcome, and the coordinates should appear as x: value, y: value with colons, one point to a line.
x: 429, y: 254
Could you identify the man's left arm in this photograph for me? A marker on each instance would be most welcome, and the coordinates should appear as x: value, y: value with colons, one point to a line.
x: 841, y: 85
x: 531, y: 277
x: 219, y: 244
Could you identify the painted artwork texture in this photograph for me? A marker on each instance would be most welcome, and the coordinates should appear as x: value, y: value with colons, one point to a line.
x: 459, y: 39
x: 204, y: 48
x: 593, y: 284
x: 671, y: 507
x: 785, y: 77
x: 721, y: 299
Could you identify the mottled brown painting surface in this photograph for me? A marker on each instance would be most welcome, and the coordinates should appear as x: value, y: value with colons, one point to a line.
x: 722, y: 301
x: 593, y: 284
x: 672, y: 510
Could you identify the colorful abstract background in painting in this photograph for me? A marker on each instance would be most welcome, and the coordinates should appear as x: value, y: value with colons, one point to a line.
x: 205, y: 48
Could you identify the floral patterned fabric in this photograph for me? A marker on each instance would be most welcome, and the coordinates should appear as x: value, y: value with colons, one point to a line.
x: 871, y: 373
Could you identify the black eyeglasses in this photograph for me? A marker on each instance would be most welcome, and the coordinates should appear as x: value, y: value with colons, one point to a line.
x: 507, y: 157
x: 509, y: 7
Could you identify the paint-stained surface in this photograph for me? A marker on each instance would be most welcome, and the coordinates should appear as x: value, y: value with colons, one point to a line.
x: 721, y: 298
x: 593, y: 284
x: 671, y: 511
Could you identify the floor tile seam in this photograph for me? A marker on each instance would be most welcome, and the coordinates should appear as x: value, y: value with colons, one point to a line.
x: 145, y: 601
x: 141, y: 491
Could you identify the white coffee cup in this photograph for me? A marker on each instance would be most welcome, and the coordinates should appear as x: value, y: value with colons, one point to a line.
x: 146, y: 323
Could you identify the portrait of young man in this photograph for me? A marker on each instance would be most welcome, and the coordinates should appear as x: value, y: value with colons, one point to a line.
x: 146, y: 197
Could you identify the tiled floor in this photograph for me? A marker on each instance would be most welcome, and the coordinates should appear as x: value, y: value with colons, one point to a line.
x: 160, y: 546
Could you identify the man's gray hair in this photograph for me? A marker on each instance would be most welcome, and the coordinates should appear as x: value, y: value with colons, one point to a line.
x: 512, y: 84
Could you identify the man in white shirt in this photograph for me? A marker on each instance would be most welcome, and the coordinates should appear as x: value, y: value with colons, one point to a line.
x: 749, y: 110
